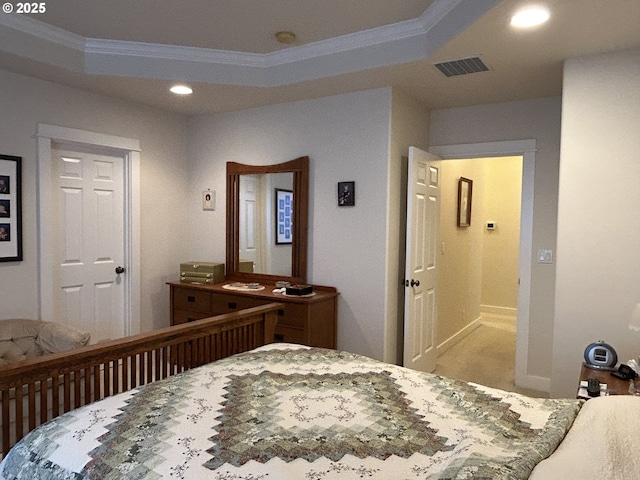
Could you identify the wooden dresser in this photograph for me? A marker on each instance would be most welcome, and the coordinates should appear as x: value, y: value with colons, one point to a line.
x: 305, y: 320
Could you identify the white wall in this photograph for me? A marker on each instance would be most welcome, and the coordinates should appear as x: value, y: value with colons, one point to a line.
x: 598, y: 279
x: 409, y: 128
x: 25, y: 102
x: 531, y: 119
x: 347, y: 139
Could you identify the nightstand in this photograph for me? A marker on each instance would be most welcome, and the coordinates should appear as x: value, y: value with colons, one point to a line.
x: 615, y: 386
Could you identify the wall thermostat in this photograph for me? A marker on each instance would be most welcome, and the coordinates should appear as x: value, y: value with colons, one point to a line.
x: 600, y: 356
x: 491, y: 225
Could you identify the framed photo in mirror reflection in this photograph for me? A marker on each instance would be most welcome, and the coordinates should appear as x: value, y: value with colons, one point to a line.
x: 284, y: 216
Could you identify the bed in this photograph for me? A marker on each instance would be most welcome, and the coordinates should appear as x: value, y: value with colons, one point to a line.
x: 284, y: 411
x: 37, y: 389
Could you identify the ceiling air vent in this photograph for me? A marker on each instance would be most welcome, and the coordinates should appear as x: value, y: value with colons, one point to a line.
x: 463, y: 66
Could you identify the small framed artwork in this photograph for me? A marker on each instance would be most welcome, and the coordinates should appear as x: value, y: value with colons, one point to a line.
x: 346, y: 194
x: 465, y: 190
x: 208, y: 200
x: 10, y: 209
x: 284, y: 216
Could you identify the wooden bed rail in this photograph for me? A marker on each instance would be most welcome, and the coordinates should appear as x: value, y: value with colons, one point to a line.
x: 36, y: 390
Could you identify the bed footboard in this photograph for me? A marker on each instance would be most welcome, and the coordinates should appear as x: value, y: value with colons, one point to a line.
x: 36, y: 390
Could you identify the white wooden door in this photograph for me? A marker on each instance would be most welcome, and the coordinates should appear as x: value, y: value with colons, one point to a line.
x: 89, y: 241
x: 423, y: 218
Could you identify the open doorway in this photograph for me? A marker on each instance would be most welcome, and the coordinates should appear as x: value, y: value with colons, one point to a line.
x: 479, y: 270
x: 527, y: 149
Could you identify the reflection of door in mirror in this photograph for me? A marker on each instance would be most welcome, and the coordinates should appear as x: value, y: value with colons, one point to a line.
x: 252, y: 231
x: 258, y: 221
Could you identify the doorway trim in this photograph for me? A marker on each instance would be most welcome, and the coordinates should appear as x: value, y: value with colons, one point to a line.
x: 46, y: 135
x: 527, y: 149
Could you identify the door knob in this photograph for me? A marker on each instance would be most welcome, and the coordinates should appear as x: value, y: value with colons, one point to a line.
x: 415, y: 283
x: 119, y: 270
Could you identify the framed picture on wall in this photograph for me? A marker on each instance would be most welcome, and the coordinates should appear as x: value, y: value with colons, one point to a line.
x: 465, y: 189
x: 284, y: 216
x: 208, y: 200
x: 346, y: 194
x: 10, y: 209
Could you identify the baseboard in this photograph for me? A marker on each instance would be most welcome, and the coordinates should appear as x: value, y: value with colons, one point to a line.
x: 532, y: 382
x: 489, y: 310
x: 458, y: 336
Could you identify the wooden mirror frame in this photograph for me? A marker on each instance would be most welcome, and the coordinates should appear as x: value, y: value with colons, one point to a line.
x: 300, y: 169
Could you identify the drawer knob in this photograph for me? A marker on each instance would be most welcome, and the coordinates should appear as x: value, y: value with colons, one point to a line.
x: 278, y: 337
x: 191, y: 298
x: 232, y: 305
x: 281, y: 312
x: 191, y: 319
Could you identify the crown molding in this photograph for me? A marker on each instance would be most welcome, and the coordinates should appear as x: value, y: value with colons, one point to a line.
x: 96, y: 46
x: 43, y: 31
x: 405, y: 41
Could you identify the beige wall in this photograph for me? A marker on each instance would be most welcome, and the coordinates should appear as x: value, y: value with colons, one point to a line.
x: 500, y: 247
x: 460, y: 268
x: 598, y: 267
x: 478, y: 269
x: 26, y: 102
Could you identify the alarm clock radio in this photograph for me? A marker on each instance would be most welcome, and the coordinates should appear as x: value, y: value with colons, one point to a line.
x: 600, y: 356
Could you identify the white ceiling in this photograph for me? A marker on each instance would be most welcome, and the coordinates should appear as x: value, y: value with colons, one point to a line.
x: 225, y: 49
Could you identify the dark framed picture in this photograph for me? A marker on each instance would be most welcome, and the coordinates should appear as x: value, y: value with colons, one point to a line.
x: 10, y: 209
x: 5, y: 208
x: 284, y: 216
x: 465, y: 190
x: 4, y: 184
x: 346, y: 194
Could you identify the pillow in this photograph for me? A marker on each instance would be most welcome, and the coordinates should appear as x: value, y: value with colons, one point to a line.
x: 19, y: 328
x: 10, y: 352
x: 55, y: 337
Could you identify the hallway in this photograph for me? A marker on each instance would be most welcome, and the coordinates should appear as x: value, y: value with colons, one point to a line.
x: 486, y: 356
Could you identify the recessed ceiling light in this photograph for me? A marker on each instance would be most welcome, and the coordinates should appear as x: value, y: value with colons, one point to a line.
x: 530, y: 17
x: 181, y: 90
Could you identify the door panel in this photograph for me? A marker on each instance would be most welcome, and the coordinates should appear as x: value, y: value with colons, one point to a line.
x: 90, y: 242
x: 423, y: 216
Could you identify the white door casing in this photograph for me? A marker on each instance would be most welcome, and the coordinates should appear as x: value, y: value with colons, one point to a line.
x: 423, y: 217
x: 51, y: 224
x: 526, y: 148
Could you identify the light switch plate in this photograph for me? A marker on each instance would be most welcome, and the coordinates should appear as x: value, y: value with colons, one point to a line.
x: 545, y: 255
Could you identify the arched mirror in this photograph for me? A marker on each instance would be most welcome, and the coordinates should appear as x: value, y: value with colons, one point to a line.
x: 267, y: 221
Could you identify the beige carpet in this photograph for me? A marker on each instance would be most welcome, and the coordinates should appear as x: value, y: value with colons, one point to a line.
x: 486, y: 356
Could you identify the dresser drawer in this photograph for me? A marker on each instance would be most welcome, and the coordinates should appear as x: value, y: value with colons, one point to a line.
x: 289, y: 335
x: 184, y: 316
x: 192, y: 299
x: 293, y: 315
x: 223, y: 303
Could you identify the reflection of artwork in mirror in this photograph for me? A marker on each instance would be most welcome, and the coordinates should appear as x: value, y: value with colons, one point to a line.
x: 346, y: 194
x: 465, y: 189
x: 10, y: 209
x: 284, y: 216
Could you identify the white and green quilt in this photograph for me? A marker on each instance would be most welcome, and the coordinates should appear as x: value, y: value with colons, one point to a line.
x: 291, y: 412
